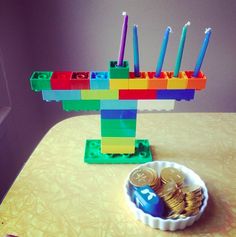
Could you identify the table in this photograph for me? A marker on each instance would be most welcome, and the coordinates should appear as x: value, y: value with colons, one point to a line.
x: 57, y: 194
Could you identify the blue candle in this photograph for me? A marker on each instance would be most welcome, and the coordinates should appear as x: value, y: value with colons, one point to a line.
x: 136, y: 51
x: 181, y: 49
x: 162, y: 52
x: 202, y: 52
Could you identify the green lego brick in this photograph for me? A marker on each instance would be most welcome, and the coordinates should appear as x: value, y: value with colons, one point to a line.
x: 118, y: 127
x: 118, y: 132
x: 93, y: 154
x: 118, y: 72
x: 99, y: 94
x: 40, y: 80
x: 118, y: 123
x: 77, y: 105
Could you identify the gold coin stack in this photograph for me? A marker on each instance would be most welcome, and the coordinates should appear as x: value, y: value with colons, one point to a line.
x: 173, y: 197
x: 145, y: 176
x: 193, y: 199
x: 172, y: 174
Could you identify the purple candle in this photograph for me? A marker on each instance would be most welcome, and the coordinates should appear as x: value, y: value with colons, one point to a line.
x: 123, y: 40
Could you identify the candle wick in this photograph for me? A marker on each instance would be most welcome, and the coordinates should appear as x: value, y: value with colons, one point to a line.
x: 188, y: 23
x: 124, y: 13
x: 207, y: 30
x: 171, y: 31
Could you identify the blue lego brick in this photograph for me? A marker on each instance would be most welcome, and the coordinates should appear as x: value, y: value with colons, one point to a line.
x: 58, y: 95
x: 175, y: 94
x: 118, y: 104
x: 99, y: 80
x: 119, y: 114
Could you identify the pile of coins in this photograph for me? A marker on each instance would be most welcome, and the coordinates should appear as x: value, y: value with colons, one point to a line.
x: 181, y: 201
x: 173, y: 197
x: 193, y: 199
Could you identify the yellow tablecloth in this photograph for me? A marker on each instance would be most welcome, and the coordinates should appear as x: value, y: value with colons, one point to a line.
x: 57, y: 194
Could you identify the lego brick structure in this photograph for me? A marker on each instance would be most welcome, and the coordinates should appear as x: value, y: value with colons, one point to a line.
x: 117, y: 94
x: 118, y: 106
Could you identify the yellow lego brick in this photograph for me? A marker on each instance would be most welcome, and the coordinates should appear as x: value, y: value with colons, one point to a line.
x: 99, y: 94
x: 177, y: 82
x: 118, y: 149
x: 119, y: 83
x: 138, y: 82
x: 110, y: 141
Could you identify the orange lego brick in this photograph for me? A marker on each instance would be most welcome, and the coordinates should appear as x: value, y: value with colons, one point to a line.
x: 157, y: 82
x: 197, y: 83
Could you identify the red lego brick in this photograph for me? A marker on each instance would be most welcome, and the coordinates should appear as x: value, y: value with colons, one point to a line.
x: 80, y: 80
x: 197, y: 83
x: 60, y: 80
x: 137, y: 94
x: 157, y: 82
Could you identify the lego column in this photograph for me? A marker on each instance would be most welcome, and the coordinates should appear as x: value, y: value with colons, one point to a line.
x: 118, y: 126
x: 118, y: 117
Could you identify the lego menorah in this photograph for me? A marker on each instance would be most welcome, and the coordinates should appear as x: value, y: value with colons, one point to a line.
x: 116, y: 93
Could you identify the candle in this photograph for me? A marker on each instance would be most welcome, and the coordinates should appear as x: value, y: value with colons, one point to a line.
x: 123, y: 40
x: 181, y: 49
x: 136, y: 51
x: 163, y: 51
x: 202, y: 52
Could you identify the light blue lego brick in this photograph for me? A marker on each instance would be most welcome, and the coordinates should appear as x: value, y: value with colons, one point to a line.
x: 118, y: 104
x: 58, y: 95
x: 99, y: 80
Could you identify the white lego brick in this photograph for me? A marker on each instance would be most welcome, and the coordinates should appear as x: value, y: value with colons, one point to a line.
x: 156, y: 105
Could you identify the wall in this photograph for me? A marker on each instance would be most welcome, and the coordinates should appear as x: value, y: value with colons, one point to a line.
x: 25, y: 125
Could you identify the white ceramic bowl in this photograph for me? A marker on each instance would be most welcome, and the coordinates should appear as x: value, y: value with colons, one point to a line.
x: 168, y: 224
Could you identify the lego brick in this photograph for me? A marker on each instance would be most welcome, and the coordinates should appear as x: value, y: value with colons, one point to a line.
x: 197, y: 83
x: 111, y: 132
x: 137, y: 94
x: 118, y: 141
x: 57, y: 95
x: 40, y: 80
x: 93, y: 154
x: 108, y: 124
x: 118, y: 104
x: 118, y: 72
x: 99, y: 80
x: 117, y: 144
x: 99, y: 94
x: 177, y: 82
x: 61, y: 80
x: 78, y: 105
x: 80, y: 80
x: 119, y: 83
x: 118, y: 127
x: 156, y: 105
x: 138, y: 82
x: 186, y: 94
x: 119, y: 114
x: 117, y: 149
x: 157, y: 82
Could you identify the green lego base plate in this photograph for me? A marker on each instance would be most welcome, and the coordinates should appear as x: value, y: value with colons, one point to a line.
x: 93, y: 154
